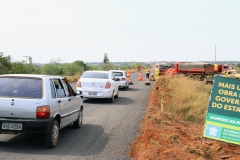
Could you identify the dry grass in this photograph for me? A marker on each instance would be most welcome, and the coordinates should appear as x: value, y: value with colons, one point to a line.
x: 190, y: 98
x: 73, y: 78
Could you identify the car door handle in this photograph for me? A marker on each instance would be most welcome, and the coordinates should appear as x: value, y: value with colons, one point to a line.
x: 59, y: 101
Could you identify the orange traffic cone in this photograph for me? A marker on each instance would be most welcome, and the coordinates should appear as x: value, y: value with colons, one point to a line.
x: 140, y: 78
x: 129, y: 78
x: 147, y: 82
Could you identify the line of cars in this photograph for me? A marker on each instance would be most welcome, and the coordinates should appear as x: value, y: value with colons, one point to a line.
x: 102, y: 84
x: 43, y: 104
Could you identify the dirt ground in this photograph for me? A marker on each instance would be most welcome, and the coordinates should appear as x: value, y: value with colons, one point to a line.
x: 167, y: 137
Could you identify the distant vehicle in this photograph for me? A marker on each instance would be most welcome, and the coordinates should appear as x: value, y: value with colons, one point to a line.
x: 194, y: 70
x: 231, y: 74
x: 38, y: 104
x: 122, y: 75
x: 221, y: 68
x: 162, y: 68
x: 98, y: 84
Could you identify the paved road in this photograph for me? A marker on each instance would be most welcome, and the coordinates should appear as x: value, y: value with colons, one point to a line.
x: 107, y: 132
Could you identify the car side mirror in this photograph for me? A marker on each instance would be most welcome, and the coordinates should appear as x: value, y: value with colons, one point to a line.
x: 79, y: 93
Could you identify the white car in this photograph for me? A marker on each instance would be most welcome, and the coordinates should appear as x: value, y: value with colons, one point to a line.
x: 39, y: 104
x: 98, y: 84
x: 122, y: 75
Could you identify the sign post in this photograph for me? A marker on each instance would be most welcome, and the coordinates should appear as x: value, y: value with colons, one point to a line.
x: 139, y: 68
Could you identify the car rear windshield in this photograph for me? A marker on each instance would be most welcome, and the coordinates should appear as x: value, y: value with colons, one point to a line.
x: 118, y: 73
x: 99, y: 75
x: 20, y: 87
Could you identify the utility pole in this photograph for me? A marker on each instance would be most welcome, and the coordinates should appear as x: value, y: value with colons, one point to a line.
x: 215, y: 55
x: 26, y: 58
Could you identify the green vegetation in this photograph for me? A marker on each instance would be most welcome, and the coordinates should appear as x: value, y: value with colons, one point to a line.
x: 56, y: 67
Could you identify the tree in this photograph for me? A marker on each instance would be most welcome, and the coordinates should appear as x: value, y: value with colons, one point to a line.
x: 107, y: 65
x: 19, y: 68
x: 55, y: 67
x: 82, y: 66
x: 5, y: 64
x: 238, y: 65
x: 52, y: 69
x: 105, y: 59
x: 71, y: 69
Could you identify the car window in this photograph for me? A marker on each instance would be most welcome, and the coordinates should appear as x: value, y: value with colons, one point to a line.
x: 52, y: 87
x: 69, y: 90
x: 21, y: 87
x: 118, y: 73
x: 59, y: 88
x: 99, y: 75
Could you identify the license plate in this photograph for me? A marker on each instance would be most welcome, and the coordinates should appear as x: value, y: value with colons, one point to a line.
x: 12, y: 126
x: 92, y: 93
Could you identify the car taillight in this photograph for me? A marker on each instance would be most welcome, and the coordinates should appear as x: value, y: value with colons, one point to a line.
x: 79, y: 84
x: 123, y: 79
x: 108, y: 85
x: 43, y: 112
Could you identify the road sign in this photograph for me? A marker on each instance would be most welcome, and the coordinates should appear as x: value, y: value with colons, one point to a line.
x: 139, y: 68
x: 222, y: 120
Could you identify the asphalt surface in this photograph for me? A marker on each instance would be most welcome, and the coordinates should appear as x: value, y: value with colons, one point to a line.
x: 107, y: 132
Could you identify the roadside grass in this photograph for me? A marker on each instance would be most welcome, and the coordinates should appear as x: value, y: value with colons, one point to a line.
x: 73, y: 78
x: 190, y: 98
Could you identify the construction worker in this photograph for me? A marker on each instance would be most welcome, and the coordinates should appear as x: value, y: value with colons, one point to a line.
x: 147, y: 71
x: 226, y: 74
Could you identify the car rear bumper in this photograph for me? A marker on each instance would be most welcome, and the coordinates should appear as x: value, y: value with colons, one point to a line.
x: 107, y: 93
x: 39, y: 126
x: 122, y: 84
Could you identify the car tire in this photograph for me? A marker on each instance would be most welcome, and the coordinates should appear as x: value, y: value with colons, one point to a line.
x: 111, y: 100
x: 52, y: 137
x: 78, y: 122
x: 125, y: 88
x: 116, y: 96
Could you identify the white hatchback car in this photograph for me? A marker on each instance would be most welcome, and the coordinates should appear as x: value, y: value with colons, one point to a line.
x: 98, y: 84
x: 122, y: 75
x: 38, y: 104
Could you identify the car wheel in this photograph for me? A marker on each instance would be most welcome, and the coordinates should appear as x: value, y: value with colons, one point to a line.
x: 78, y: 122
x: 111, y: 100
x: 51, y: 138
x: 116, y: 96
x: 125, y: 87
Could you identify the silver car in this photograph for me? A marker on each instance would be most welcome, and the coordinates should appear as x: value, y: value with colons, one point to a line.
x: 38, y: 104
x: 123, y: 79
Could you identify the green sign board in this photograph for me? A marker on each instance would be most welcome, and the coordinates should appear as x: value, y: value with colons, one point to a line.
x: 223, y: 117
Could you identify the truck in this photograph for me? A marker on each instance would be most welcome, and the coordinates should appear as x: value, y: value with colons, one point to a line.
x: 196, y: 70
x: 161, y: 67
x: 221, y: 68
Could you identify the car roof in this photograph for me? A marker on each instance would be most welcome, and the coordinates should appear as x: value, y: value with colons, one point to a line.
x: 30, y: 75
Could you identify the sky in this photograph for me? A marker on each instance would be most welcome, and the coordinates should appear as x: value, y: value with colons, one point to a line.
x: 125, y: 30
